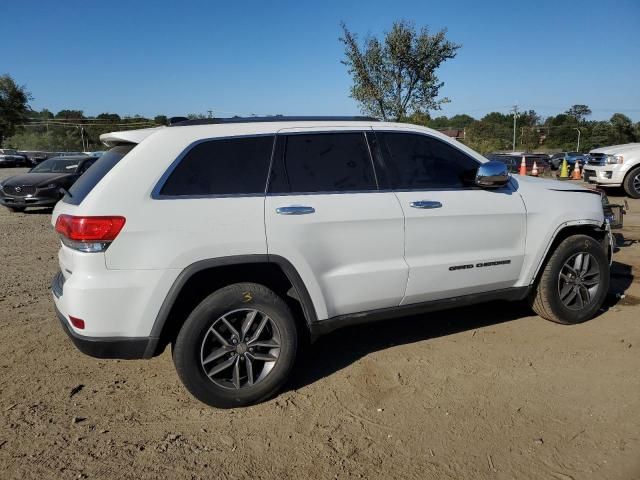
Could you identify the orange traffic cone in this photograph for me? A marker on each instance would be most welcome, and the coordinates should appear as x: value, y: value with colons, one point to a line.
x: 534, y: 170
x: 523, y: 167
x: 576, y: 171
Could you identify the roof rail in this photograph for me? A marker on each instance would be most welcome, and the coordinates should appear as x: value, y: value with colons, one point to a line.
x: 181, y: 121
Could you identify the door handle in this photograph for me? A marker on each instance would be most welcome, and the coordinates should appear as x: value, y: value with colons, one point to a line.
x: 295, y: 210
x: 426, y: 204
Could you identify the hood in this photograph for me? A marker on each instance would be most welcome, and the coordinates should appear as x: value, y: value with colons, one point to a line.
x: 614, y: 149
x: 35, y: 179
x: 547, y: 184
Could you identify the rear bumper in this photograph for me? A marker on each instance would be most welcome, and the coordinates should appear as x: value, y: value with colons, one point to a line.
x: 102, y: 347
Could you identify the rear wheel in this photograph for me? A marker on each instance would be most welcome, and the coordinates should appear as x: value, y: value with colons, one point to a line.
x: 574, y: 281
x: 632, y: 183
x: 237, y: 347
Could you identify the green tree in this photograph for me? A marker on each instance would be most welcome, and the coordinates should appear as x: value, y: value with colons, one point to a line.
x: 579, y: 112
x: 395, y: 77
x: 70, y: 114
x: 43, y: 114
x: 161, y: 119
x: 438, y: 122
x: 487, y: 137
x: 109, y: 117
x: 461, y: 121
x: 622, y: 127
x: 14, y: 106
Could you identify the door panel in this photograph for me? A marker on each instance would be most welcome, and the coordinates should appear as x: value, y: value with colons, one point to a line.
x: 447, y: 247
x: 324, y: 213
x: 459, y: 239
x: 349, y: 250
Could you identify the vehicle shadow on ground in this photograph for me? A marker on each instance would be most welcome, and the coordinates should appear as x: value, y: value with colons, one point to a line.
x: 621, y: 275
x: 621, y: 279
x: 341, y: 348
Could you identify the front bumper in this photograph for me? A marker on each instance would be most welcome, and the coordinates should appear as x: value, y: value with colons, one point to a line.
x: 102, y: 347
x: 607, y: 175
x: 23, y: 202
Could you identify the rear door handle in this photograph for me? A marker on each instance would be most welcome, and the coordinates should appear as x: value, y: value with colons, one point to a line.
x: 426, y: 204
x: 295, y: 210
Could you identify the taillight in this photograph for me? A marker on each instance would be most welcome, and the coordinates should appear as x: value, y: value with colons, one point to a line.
x: 88, y: 234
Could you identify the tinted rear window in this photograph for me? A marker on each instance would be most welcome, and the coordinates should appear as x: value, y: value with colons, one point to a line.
x: 231, y: 166
x: 93, y: 175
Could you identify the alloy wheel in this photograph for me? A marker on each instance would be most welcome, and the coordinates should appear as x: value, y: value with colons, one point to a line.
x: 578, y: 281
x: 240, y: 348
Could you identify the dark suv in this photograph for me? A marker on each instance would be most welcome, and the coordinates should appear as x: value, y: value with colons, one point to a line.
x: 44, y: 184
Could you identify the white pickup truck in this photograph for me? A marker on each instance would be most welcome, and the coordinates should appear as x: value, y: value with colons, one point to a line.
x: 615, y: 166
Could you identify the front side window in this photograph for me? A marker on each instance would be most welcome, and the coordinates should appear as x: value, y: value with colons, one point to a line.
x: 323, y: 162
x: 229, y: 166
x: 418, y: 162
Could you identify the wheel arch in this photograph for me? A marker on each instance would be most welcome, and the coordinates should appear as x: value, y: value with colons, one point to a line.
x: 564, y: 231
x: 203, y: 277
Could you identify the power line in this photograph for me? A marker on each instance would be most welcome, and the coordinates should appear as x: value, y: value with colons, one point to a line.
x: 68, y: 124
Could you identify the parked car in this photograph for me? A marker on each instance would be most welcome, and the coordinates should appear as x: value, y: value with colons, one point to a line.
x: 231, y: 240
x: 513, y: 165
x: 34, y: 157
x: 513, y: 161
x: 97, y: 153
x: 570, y: 157
x: 615, y: 166
x: 11, y: 158
x: 41, y: 186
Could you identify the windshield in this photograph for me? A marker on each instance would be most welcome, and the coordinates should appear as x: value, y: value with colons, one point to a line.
x: 57, y: 165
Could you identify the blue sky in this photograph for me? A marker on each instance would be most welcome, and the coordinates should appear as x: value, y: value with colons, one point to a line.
x: 176, y: 57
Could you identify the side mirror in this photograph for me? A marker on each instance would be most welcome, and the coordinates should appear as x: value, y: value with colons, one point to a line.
x: 492, y: 175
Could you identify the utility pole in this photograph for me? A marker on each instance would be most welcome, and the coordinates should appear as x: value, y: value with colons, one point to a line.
x: 514, y: 110
x: 578, y: 147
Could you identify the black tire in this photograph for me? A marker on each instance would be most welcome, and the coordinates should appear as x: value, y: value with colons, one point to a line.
x: 189, y: 346
x: 546, y: 298
x: 16, y: 209
x: 632, y: 183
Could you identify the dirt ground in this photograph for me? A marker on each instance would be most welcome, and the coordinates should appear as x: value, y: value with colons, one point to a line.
x: 483, y: 392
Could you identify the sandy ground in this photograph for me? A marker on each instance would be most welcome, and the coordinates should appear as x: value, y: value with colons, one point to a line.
x: 483, y: 392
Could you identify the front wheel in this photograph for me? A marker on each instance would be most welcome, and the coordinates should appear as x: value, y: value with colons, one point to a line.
x: 237, y: 347
x: 632, y: 183
x: 574, y: 281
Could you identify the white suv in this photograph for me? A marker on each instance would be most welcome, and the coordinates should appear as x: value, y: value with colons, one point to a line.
x: 232, y: 240
x: 615, y: 166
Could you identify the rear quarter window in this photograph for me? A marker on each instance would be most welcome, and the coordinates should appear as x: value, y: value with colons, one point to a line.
x: 229, y: 166
x: 89, y: 179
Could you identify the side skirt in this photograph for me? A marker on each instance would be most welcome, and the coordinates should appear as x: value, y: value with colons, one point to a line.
x: 323, y: 327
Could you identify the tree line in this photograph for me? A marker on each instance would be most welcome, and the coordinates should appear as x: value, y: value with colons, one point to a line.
x: 494, y: 131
